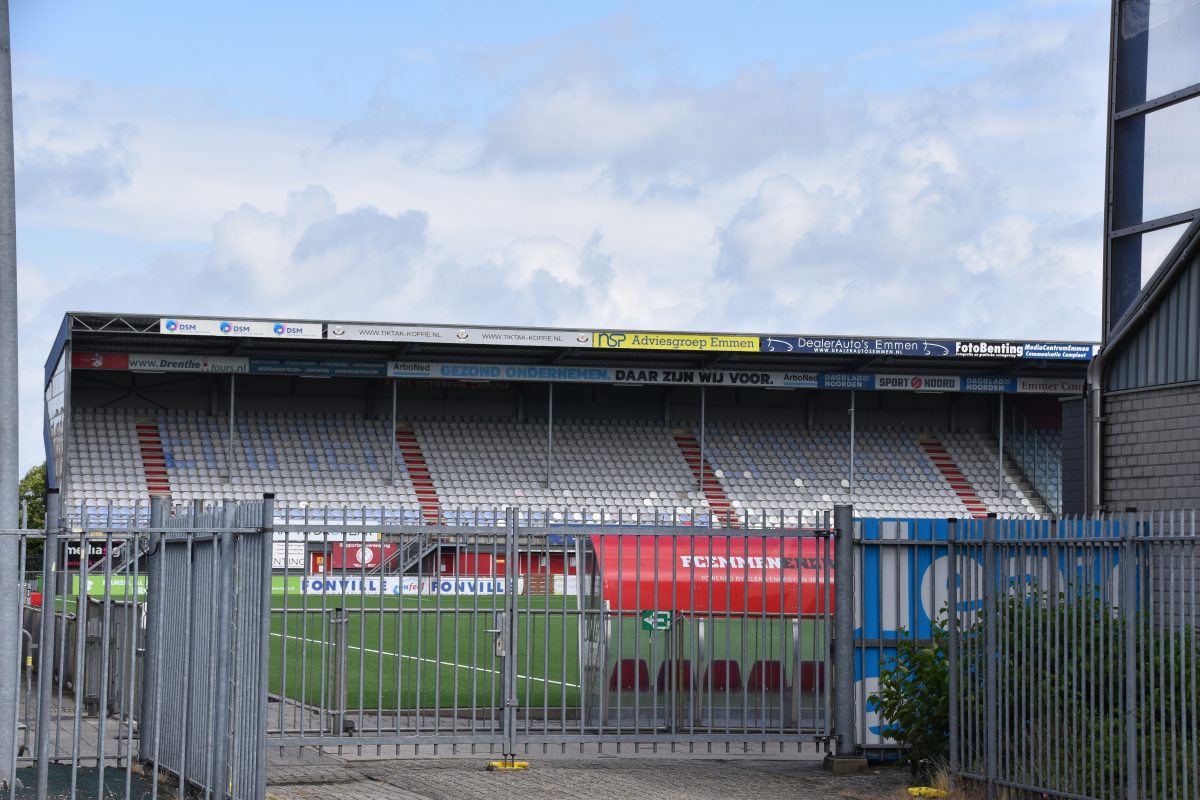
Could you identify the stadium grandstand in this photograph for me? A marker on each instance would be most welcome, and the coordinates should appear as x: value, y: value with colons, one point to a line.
x: 427, y: 425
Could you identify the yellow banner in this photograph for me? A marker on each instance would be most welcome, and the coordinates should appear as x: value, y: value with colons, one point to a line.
x: 718, y: 342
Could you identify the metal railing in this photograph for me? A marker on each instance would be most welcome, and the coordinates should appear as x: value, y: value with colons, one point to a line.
x: 511, y: 639
x: 1038, y: 454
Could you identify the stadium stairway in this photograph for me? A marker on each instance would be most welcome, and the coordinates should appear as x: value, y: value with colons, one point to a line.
x: 154, y: 461
x: 938, y: 455
x: 418, y: 473
x: 710, y: 485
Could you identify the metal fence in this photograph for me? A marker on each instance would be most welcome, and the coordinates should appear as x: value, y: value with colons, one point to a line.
x: 108, y: 658
x: 517, y: 639
x: 1073, y: 656
x: 1070, y: 646
x: 203, y: 712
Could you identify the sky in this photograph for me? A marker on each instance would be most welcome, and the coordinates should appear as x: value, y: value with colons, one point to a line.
x: 903, y: 169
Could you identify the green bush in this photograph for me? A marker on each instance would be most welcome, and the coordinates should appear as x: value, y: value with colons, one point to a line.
x: 914, y: 699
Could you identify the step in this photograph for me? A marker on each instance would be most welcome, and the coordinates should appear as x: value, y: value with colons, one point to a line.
x: 154, y: 459
x: 418, y: 474
x: 710, y: 485
x: 950, y: 472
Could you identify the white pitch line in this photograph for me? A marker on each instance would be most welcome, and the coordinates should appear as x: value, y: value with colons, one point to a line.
x: 319, y: 643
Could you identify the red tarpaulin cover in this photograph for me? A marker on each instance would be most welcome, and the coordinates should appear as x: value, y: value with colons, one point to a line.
x: 721, y: 574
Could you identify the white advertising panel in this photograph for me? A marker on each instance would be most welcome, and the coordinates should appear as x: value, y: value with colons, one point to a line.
x: 162, y: 363
x: 287, y: 556
x: 446, y: 334
x: 264, y: 329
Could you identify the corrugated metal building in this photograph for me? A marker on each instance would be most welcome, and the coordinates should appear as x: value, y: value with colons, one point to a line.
x: 1140, y: 423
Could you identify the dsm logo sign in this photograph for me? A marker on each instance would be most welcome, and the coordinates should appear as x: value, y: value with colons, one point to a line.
x: 227, y: 327
x: 179, y: 326
x: 283, y: 329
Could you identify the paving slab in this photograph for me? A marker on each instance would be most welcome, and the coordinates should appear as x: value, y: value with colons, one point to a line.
x: 600, y: 777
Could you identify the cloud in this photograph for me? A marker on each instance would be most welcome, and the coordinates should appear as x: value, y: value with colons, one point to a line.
x: 312, y: 259
x: 46, y: 174
x: 671, y: 135
x: 586, y: 191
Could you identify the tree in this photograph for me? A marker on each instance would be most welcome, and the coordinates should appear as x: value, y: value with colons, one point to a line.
x: 32, y: 493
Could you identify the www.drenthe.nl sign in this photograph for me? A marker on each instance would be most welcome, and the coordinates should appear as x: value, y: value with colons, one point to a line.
x: 398, y: 585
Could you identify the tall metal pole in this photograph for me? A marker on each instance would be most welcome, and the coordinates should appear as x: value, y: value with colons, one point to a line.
x: 229, y: 443
x: 392, y: 436
x: 550, y: 435
x: 1000, y: 454
x: 852, y: 396
x: 10, y: 580
x: 703, y: 404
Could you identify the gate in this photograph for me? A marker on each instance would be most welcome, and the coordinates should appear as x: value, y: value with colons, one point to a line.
x: 144, y: 652
x: 508, y: 637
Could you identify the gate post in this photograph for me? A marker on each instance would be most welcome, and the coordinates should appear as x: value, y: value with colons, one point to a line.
x: 510, y: 634
x: 845, y: 757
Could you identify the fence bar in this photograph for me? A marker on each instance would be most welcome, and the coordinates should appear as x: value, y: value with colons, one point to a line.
x: 46, y: 641
x: 1129, y: 593
x: 989, y: 615
x: 952, y: 646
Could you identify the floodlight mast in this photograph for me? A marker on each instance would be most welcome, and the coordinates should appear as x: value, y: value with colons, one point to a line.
x: 10, y: 578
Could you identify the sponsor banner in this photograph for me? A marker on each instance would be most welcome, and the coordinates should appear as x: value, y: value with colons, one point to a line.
x: 73, y: 551
x: 100, y: 361
x: 160, y: 363
x: 726, y: 574
x: 857, y: 346
x: 918, y: 383
x: 404, y: 585
x: 445, y: 334
x: 991, y: 385
x: 499, y: 373
x: 287, y: 556
x: 119, y: 586
x: 1049, y: 386
x: 266, y: 329
x: 984, y: 349
x: 715, y: 342
x: 358, y: 556
x: 324, y: 368
x: 1060, y: 351
x: 671, y: 377
x: 846, y: 380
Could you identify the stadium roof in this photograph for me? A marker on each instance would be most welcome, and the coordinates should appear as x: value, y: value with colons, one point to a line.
x: 376, y: 343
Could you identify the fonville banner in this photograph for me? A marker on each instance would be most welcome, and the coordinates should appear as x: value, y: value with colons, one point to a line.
x: 404, y: 585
